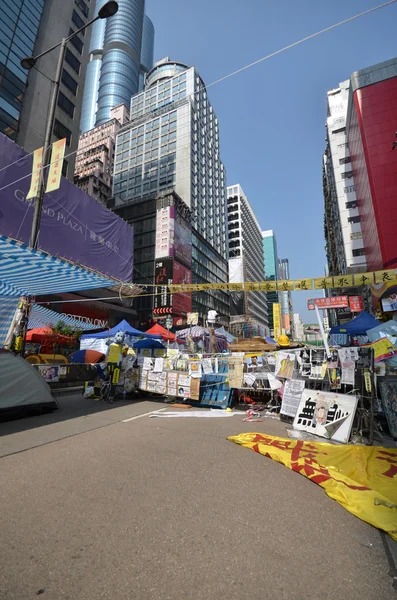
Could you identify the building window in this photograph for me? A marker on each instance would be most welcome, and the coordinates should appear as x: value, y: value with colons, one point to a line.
x: 65, y: 168
x: 352, y: 204
x: 354, y: 219
x: 82, y: 6
x: 349, y: 188
x: 69, y: 82
x: 60, y: 131
x: 344, y: 161
x: 72, y: 61
x: 341, y: 130
x: 347, y: 175
x: 78, y: 21
x: 359, y: 252
x: 66, y: 105
x: 76, y: 42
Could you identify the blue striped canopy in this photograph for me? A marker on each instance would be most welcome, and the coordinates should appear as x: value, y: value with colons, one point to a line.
x: 27, y: 272
x: 41, y: 316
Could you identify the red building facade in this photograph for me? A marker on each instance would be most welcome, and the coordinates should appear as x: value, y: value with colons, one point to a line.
x: 371, y: 129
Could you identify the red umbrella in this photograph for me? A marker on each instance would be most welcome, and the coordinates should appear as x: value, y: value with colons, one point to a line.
x: 37, y: 335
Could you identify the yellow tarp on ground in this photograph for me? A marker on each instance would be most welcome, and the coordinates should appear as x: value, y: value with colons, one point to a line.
x: 361, y: 478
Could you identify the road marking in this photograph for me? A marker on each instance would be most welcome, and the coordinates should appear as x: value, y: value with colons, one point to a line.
x: 144, y: 415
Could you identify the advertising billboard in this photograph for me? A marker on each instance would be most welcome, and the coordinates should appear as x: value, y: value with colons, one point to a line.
x: 276, y: 320
x: 163, y: 272
x: 356, y: 303
x: 165, y: 232
x: 181, y: 303
x: 324, y: 303
x: 182, y: 240
x: 74, y: 226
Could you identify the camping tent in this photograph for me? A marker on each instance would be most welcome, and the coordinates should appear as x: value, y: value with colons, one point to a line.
x: 22, y: 389
x: 97, y: 341
x: 160, y: 330
x: 358, y: 326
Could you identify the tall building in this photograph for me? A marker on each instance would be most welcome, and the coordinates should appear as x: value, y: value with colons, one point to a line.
x: 287, y: 319
x: 298, y: 327
x: 172, y: 145
x: 29, y: 27
x: 372, y: 131
x: 120, y: 54
x: 95, y: 156
x: 248, y: 310
x: 270, y: 255
x: 342, y: 227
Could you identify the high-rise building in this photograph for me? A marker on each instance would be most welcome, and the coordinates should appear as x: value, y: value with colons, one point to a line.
x: 271, y: 271
x: 371, y: 132
x: 172, y: 145
x: 248, y: 310
x: 298, y: 327
x: 29, y: 27
x: 95, y: 156
x: 287, y: 319
x: 342, y: 227
x: 120, y: 54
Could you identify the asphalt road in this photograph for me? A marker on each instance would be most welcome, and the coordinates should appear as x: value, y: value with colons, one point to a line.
x: 94, y: 508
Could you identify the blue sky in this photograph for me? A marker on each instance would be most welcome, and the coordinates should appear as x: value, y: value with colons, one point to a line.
x: 272, y: 116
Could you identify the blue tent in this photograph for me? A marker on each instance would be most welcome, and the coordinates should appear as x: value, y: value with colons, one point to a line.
x: 358, y: 326
x: 148, y: 344
x: 123, y: 326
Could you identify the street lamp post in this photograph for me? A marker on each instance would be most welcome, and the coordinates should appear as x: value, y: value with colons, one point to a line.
x: 108, y: 10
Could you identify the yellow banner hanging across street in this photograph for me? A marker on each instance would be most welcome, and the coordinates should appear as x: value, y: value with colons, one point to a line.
x: 361, y: 478
x: 378, y: 279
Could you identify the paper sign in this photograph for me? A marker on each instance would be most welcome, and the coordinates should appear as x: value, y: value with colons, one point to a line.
x: 158, y: 365
x: 195, y: 389
x: 292, y: 395
x: 285, y: 363
x: 207, y: 366
x: 274, y: 383
x: 172, y: 384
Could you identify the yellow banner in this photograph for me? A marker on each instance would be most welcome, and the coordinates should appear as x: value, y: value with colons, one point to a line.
x: 363, y: 278
x: 360, y: 478
x: 285, y: 285
x: 36, y: 172
x: 55, y: 172
x: 276, y: 320
x: 385, y: 276
x: 174, y: 289
x: 267, y: 286
x: 323, y: 283
x: 342, y: 281
x: 236, y: 287
x: 252, y: 286
x: 303, y: 284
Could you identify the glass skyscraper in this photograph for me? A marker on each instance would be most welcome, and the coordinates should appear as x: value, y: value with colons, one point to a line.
x: 172, y: 143
x: 19, y: 24
x: 121, y: 52
x: 271, y: 270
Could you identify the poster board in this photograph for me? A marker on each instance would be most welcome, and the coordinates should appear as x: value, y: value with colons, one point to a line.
x: 326, y: 414
x: 292, y: 395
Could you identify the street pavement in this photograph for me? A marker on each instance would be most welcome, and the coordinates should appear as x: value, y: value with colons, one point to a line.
x: 98, y: 504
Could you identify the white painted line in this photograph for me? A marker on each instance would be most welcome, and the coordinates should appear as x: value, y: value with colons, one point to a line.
x: 144, y: 415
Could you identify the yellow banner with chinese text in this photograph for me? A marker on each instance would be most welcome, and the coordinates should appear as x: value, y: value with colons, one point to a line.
x: 55, y: 172
x: 361, y: 478
x: 36, y: 173
x: 303, y: 284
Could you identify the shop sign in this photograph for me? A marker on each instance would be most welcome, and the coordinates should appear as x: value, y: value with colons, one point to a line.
x: 356, y: 303
x: 325, y: 303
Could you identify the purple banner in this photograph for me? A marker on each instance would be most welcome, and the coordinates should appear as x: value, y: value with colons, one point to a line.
x: 74, y: 226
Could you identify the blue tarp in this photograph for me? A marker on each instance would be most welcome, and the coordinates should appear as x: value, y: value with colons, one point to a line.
x: 358, y: 326
x: 123, y: 326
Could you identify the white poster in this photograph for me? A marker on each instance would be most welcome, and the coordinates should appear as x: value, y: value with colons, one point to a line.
x: 147, y: 363
x: 292, y: 395
x: 207, y: 366
x: 171, y: 384
x: 274, y: 383
x: 348, y: 357
x: 158, y: 365
x: 184, y: 380
x: 326, y: 414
